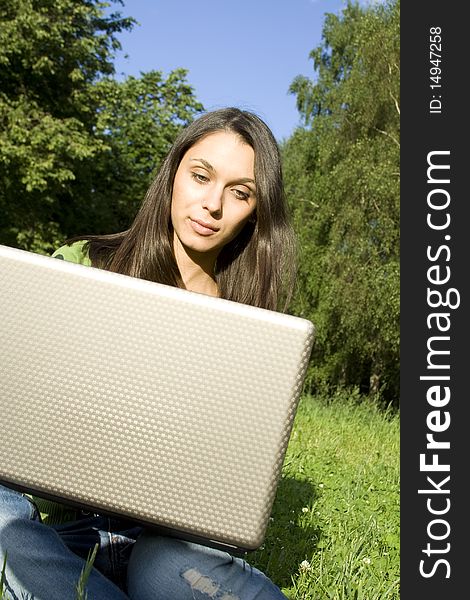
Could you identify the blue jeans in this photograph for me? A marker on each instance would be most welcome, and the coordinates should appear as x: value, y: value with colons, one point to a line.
x: 45, y: 562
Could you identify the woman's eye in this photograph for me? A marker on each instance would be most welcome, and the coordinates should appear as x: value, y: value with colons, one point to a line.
x: 241, y: 195
x: 199, y: 177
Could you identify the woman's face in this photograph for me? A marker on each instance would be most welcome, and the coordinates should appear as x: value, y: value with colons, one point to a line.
x: 214, y: 193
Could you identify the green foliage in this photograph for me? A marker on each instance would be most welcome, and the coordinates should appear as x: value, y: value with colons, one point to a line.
x: 2, y: 578
x: 76, y: 146
x: 342, y: 180
x: 85, y: 574
x: 334, y: 532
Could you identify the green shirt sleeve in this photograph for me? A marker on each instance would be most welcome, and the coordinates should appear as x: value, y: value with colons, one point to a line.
x: 77, y: 252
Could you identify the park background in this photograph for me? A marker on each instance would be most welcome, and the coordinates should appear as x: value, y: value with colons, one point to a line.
x: 83, y: 128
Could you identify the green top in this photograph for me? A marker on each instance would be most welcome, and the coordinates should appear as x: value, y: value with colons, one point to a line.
x: 75, y: 253
x: 53, y: 512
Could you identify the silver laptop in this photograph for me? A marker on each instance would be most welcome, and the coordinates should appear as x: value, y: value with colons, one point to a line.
x: 141, y: 400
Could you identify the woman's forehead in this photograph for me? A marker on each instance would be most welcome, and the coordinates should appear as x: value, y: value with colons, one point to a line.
x: 223, y: 151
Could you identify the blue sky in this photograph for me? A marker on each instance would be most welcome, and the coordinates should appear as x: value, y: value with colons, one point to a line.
x: 238, y: 52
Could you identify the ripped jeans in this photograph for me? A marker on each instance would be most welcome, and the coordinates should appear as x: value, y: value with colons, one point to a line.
x: 45, y: 562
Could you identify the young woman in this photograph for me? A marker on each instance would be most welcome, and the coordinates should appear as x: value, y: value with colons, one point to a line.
x: 214, y: 221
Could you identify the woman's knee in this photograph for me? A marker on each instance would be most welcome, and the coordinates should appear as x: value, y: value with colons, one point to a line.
x: 162, y: 567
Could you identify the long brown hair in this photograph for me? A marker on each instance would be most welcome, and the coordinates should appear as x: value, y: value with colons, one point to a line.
x: 257, y: 267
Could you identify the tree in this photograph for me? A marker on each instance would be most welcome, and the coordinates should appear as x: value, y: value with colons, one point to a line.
x: 342, y: 177
x: 72, y: 138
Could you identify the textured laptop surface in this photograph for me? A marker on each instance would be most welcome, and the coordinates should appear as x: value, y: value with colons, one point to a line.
x: 143, y: 400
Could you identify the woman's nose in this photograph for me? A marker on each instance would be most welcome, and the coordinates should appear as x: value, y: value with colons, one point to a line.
x: 212, y: 200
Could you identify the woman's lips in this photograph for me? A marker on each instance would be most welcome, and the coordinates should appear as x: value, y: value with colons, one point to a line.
x: 202, y: 228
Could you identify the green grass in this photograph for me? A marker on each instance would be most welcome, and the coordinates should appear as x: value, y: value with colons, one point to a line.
x: 334, y: 531
x: 2, y: 578
x: 81, y: 585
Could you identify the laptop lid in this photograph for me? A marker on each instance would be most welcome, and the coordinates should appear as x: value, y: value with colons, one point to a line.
x: 145, y: 401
